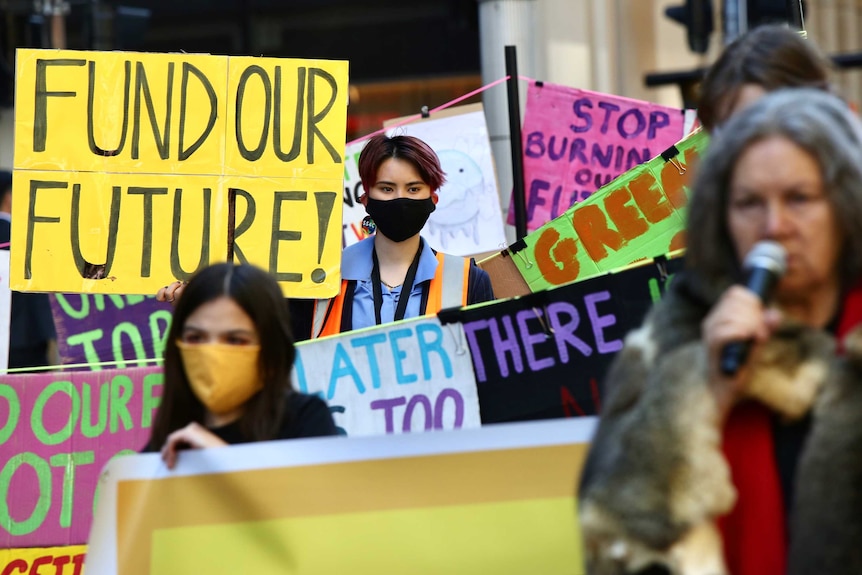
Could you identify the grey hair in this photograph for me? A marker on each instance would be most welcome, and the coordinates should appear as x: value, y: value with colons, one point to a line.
x: 819, y: 123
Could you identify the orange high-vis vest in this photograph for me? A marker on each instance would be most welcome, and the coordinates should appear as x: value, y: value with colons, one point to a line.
x: 448, y: 288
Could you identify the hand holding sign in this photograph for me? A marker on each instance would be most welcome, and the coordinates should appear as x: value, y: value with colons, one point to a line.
x: 171, y: 293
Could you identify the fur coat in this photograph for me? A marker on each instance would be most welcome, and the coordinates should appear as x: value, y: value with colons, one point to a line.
x: 656, y: 478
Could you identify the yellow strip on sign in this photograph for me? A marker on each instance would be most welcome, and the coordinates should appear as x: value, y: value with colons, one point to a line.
x: 501, y: 482
x: 456, y: 540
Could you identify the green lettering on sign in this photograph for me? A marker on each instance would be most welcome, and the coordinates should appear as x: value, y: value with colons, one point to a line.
x: 8, y: 393
x: 131, y: 330
x: 88, y: 428
x: 40, y: 511
x: 37, y: 417
x: 71, y: 311
x: 150, y: 403
x: 159, y: 334
x: 121, y: 392
x: 86, y: 339
x: 70, y: 461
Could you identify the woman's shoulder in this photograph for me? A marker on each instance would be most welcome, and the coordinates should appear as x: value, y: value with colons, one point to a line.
x: 298, y: 401
x: 307, y: 416
x: 360, y: 248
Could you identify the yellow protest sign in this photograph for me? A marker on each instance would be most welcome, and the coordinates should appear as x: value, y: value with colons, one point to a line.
x: 115, y: 233
x: 54, y: 560
x: 491, y: 500
x: 281, y: 118
x: 287, y: 226
x: 120, y: 112
x: 126, y: 166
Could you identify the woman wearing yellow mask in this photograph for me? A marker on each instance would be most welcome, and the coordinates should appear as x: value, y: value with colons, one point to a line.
x: 228, y: 359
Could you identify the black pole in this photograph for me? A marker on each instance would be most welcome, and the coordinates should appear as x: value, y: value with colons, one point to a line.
x: 518, y: 193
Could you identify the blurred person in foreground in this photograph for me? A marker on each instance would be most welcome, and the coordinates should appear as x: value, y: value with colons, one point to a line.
x: 765, y: 59
x: 677, y: 436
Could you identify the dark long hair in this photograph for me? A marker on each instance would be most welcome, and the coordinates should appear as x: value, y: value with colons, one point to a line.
x: 259, y: 296
x: 771, y: 57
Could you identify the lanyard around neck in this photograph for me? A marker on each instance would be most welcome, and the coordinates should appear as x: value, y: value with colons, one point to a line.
x: 406, y: 288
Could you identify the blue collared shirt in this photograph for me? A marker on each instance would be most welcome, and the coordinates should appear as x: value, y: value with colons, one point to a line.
x: 356, y: 264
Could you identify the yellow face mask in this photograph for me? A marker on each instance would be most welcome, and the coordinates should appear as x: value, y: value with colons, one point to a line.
x: 223, y: 377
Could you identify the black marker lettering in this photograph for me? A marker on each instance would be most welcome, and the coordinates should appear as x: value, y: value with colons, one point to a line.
x: 85, y: 268
x: 142, y: 87
x: 40, y: 106
x: 91, y: 96
x: 33, y: 219
x: 147, y: 239
x: 255, y: 154
x: 176, y: 267
x: 184, y: 154
x: 297, y: 121
x: 313, y: 118
x: 279, y: 235
x: 245, y: 224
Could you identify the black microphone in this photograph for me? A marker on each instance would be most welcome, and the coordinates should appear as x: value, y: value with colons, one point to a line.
x: 765, y: 264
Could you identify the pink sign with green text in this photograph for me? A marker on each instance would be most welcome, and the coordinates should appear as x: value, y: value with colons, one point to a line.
x: 57, y: 432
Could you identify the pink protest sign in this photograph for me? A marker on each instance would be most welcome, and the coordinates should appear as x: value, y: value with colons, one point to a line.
x: 576, y: 141
x: 57, y: 432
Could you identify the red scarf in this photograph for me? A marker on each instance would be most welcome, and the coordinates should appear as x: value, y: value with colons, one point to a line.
x: 754, y: 532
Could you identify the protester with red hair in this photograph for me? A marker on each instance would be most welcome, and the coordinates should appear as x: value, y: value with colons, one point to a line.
x: 394, y: 274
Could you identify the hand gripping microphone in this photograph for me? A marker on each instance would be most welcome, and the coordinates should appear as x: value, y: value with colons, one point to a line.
x: 764, y: 264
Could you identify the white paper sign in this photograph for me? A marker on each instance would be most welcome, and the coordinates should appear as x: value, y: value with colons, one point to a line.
x: 468, y: 219
x: 353, y: 210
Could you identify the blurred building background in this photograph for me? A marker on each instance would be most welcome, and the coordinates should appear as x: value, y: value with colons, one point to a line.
x: 406, y: 54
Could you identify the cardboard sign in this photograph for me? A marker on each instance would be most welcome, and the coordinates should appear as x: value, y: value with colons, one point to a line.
x: 54, y: 560
x: 492, y: 500
x: 640, y: 214
x: 133, y: 170
x: 538, y: 356
x: 576, y: 141
x: 408, y: 376
x: 95, y: 328
x: 545, y: 355
x: 57, y: 432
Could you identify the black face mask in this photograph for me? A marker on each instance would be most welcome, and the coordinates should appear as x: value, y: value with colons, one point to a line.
x: 401, y: 218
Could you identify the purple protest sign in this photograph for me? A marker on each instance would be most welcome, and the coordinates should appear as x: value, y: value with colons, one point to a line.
x: 57, y: 432
x: 576, y: 141
x: 93, y: 328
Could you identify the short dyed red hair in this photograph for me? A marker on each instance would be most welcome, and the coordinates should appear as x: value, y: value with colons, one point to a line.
x: 409, y: 148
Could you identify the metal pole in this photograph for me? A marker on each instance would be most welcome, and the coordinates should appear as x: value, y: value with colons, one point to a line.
x: 518, y: 192
x: 735, y: 19
x: 503, y: 23
x: 794, y: 14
